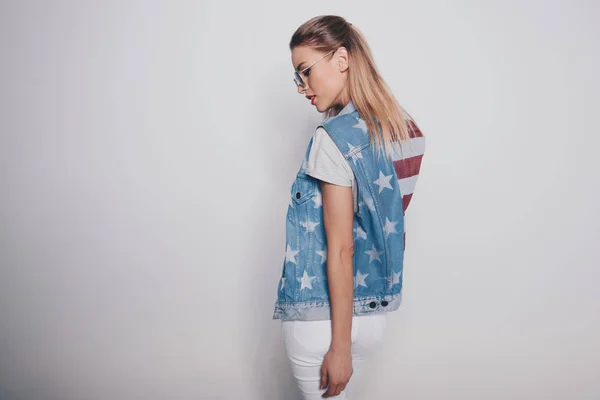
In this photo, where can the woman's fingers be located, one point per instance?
(333, 390)
(323, 378)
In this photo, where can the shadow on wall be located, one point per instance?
(9, 395)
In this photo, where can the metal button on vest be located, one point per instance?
(384, 303)
(298, 195)
(372, 304)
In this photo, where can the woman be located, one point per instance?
(345, 223)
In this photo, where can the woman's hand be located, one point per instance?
(336, 370)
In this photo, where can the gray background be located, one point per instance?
(146, 154)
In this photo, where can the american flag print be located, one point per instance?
(406, 158)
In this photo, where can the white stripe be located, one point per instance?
(407, 185)
(414, 147)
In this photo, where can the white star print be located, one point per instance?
(290, 255)
(373, 254)
(323, 254)
(351, 148)
(360, 279)
(389, 227)
(309, 225)
(360, 233)
(369, 202)
(395, 279)
(383, 182)
(361, 125)
(306, 281)
(354, 156)
(282, 283)
(318, 199)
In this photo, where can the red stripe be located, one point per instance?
(408, 167)
(406, 201)
(413, 130)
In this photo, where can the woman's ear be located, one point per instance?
(342, 59)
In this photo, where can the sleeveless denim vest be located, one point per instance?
(303, 292)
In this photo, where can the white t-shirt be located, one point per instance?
(327, 163)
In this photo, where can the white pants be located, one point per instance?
(307, 342)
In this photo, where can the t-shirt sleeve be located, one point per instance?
(326, 162)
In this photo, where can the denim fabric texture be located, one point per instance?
(302, 292)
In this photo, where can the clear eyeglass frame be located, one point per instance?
(297, 74)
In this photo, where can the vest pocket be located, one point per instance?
(304, 188)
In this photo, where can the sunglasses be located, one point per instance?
(298, 78)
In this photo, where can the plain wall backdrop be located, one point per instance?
(147, 150)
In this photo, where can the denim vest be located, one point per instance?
(302, 292)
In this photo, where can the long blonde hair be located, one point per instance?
(368, 91)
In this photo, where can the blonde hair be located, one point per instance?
(368, 91)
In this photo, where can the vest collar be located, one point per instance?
(348, 108)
